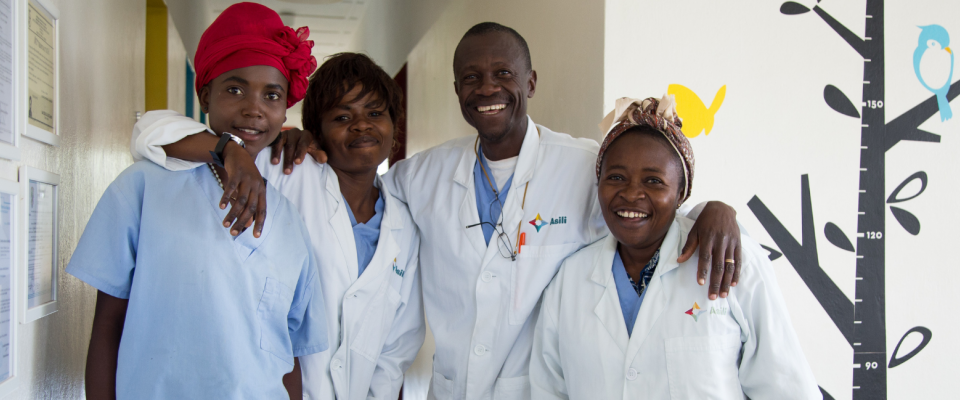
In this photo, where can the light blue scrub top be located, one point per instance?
(209, 316)
(367, 234)
(629, 301)
(486, 197)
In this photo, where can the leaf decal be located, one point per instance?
(839, 102)
(793, 8)
(773, 253)
(922, 176)
(837, 237)
(927, 335)
(907, 220)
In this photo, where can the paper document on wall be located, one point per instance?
(40, 262)
(6, 71)
(40, 69)
(6, 282)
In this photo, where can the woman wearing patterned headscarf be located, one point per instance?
(622, 319)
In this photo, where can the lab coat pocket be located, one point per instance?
(531, 273)
(441, 388)
(512, 388)
(377, 317)
(272, 312)
(704, 367)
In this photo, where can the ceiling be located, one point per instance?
(332, 23)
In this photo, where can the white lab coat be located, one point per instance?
(482, 307)
(740, 345)
(375, 322)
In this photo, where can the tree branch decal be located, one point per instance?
(863, 321)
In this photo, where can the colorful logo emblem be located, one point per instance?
(540, 223)
(695, 312)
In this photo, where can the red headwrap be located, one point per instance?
(248, 34)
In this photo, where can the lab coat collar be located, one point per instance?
(655, 299)
(512, 213)
(384, 258)
(608, 307)
(340, 222)
(526, 161)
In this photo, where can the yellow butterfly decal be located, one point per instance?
(695, 115)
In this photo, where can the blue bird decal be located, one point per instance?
(934, 47)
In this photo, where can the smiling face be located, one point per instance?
(639, 189)
(493, 83)
(357, 134)
(250, 103)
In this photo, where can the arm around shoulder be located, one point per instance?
(156, 130)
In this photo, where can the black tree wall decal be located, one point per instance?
(863, 322)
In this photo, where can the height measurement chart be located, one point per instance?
(6, 71)
(41, 61)
(6, 282)
(40, 248)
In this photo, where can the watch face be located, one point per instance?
(236, 139)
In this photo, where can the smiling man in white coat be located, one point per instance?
(498, 213)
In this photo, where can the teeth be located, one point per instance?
(250, 131)
(631, 214)
(491, 108)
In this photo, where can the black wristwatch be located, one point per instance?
(217, 152)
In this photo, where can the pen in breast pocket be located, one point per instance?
(522, 240)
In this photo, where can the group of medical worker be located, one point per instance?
(469, 234)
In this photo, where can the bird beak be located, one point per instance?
(948, 50)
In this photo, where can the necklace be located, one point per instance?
(215, 175)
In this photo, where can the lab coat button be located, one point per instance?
(336, 364)
(631, 374)
(479, 350)
(486, 276)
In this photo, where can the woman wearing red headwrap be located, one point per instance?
(185, 311)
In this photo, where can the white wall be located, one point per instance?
(191, 18)
(176, 69)
(102, 52)
(774, 126)
(391, 28)
(566, 46)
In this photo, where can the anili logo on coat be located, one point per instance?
(396, 270)
(540, 223)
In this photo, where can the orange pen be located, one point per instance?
(521, 241)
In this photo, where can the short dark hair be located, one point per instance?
(491, 27)
(338, 75)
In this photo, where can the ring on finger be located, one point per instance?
(730, 261)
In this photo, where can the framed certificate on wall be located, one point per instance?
(39, 231)
(41, 72)
(9, 208)
(9, 79)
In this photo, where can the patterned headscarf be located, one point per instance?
(661, 116)
(248, 34)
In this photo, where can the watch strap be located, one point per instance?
(217, 153)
